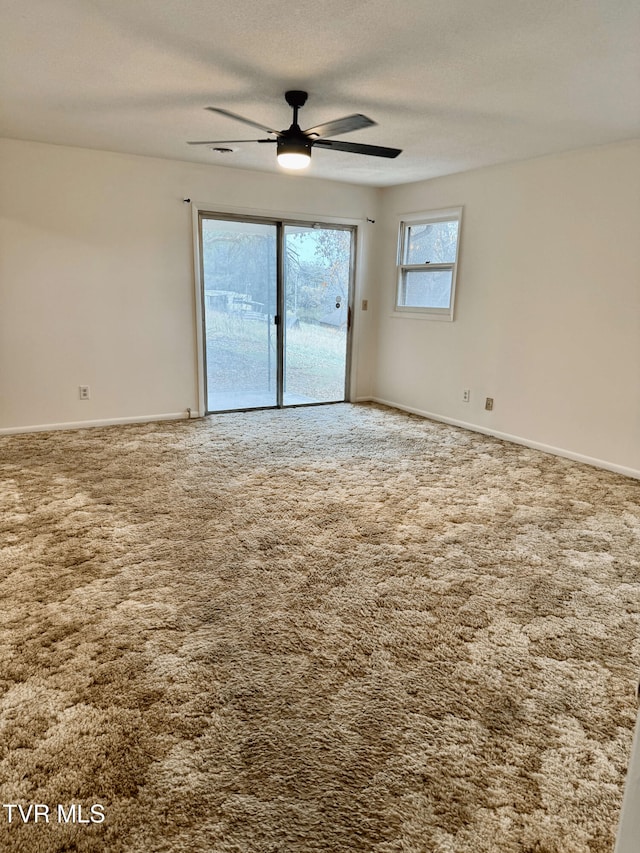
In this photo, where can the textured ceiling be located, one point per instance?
(456, 84)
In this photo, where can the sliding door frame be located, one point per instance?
(280, 308)
(202, 211)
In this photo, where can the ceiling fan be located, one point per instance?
(294, 145)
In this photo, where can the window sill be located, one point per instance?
(409, 314)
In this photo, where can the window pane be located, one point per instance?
(425, 289)
(432, 242)
(239, 264)
(317, 272)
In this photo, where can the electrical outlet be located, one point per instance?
(488, 404)
(466, 395)
(365, 304)
(84, 392)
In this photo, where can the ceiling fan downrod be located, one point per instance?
(296, 99)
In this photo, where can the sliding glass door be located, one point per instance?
(276, 305)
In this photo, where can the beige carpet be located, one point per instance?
(331, 629)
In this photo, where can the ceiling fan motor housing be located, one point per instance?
(292, 142)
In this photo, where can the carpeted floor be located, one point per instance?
(331, 630)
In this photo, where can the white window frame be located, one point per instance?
(412, 219)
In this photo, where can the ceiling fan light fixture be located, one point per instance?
(294, 153)
(291, 160)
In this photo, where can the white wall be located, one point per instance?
(96, 288)
(548, 304)
(96, 277)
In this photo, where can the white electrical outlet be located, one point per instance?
(365, 304)
(488, 404)
(466, 395)
(84, 392)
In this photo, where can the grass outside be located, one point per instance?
(241, 356)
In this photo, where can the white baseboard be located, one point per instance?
(137, 419)
(515, 439)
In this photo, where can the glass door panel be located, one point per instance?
(239, 266)
(317, 277)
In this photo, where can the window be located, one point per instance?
(427, 261)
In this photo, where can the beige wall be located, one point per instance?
(548, 304)
(96, 277)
